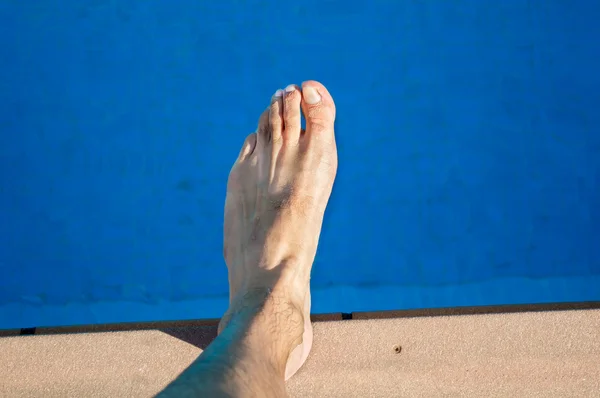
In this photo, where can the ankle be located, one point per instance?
(268, 319)
(282, 282)
(261, 303)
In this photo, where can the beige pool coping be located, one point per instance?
(548, 350)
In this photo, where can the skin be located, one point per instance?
(277, 193)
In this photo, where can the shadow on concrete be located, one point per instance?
(199, 336)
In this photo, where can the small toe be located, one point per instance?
(263, 131)
(292, 117)
(248, 147)
(276, 116)
(318, 108)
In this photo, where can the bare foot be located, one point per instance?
(277, 193)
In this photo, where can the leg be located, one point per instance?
(249, 356)
(277, 193)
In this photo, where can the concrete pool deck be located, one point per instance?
(514, 351)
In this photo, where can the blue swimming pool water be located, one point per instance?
(468, 137)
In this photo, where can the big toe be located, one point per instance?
(318, 108)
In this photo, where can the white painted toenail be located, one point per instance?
(278, 93)
(311, 96)
(291, 88)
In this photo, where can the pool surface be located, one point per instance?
(468, 133)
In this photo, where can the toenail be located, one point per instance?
(278, 93)
(290, 89)
(311, 96)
